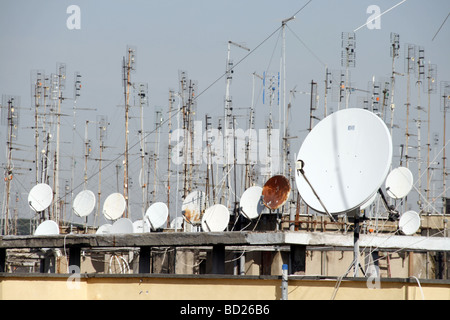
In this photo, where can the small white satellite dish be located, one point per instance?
(122, 225)
(344, 161)
(177, 223)
(141, 226)
(409, 223)
(193, 206)
(114, 206)
(399, 183)
(84, 203)
(157, 215)
(251, 202)
(46, 228)
(215, 218)
(104, 229)
(40, 197)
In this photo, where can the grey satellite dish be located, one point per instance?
(141, 226)
(46, 228)
(343, 161)
(409, 223)
(104, 229)
(122, 225)
(40, 197)
(114, 206)
(193, 206)
(157, 215)
(84, 203)
(399, 183)
(251, 202)
(215, 218)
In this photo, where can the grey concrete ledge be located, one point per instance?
(237, 238)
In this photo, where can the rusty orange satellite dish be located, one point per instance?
(276, 192)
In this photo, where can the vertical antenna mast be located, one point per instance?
(348, 59)
(37, 82)
(445, 104)
(11, 103)
(409, 66)
(129, 64)
(102, 132)
(158, 121)
(420, 73)
(395, 46)
(61, 69)
(228, 125)
(283, 25)
(431, 88)
(327, 87)
(169, 152)
(143, 101)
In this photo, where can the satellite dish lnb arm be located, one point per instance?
(393, 214)
(299, 166)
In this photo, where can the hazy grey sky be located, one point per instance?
(192, 36)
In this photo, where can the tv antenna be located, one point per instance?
(143, 102)
(410, 56)
(420, 75)
(430, 89)
(10, 116)
(228, 118)
(348, 58)
(128, 66)
(445, 104)
(102, 135)
(58, 86)
(395, 48)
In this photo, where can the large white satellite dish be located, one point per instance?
(345, 160)
(104, 229)
(40, 197)
(251, 202)
(122, 225)
(84, 203)
(157, 215)
(193, 206)
(215, 218)
(409, 223)
(114, 206)
(48, 227)
(399, 182)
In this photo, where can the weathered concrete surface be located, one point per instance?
(227, 239)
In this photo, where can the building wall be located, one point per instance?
(23, 287)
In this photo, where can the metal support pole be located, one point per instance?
(75, 257)
(298, 259)
(144, 259)
(2, 260)
(218, 259)
(284, 282)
